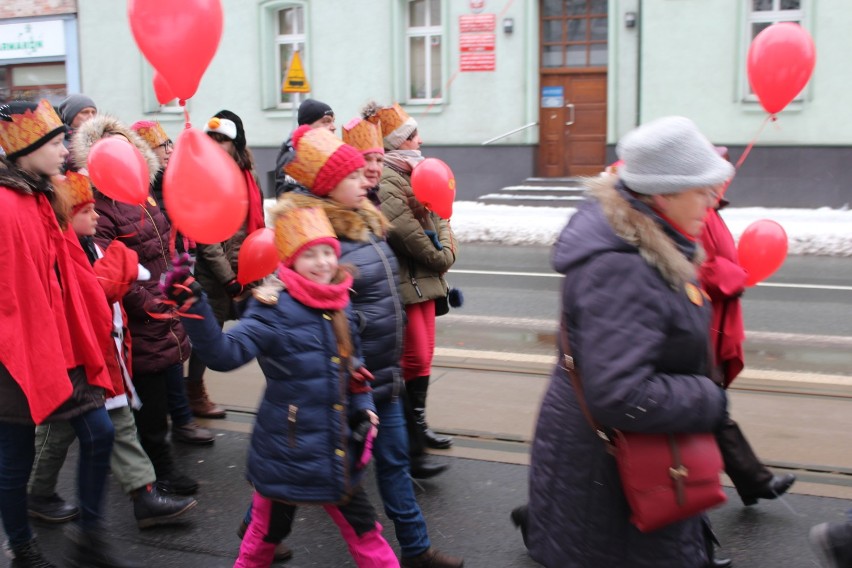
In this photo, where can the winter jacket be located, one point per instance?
(375, 297)
(300, 447)
(159, 340)
(638, 330)
(51, 366)
(421, 265)
(724, 280)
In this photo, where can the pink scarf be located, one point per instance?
(255, 219)
(334, 296)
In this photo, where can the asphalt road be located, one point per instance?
(518, 282)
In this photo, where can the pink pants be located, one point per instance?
(272, 520)
(418, 347)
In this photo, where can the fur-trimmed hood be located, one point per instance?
(97, 128)
(609, 223)
(350, 224)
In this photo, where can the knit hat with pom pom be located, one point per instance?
(322, 160)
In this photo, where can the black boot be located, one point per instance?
(424, 468)
(93, 548)
(151, 508)
(28, 555)
(417, 390)
(711, 542)
(777, 486)
(519, 519)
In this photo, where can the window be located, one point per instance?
(574, 33)
(424, 51)
(761, 15)
(289, 37)
(33, 82)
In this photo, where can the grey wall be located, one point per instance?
(478, 169)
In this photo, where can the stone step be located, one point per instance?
(554, 182)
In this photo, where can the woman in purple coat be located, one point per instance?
(638, 326)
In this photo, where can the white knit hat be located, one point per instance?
(670, 155)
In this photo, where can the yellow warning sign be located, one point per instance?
(295, 80)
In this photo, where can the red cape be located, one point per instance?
(724, 280)
(44, 326)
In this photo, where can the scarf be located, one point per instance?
(255, 219)
(686, 245)
(333, 296)
(403, 161)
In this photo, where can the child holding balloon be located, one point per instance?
(725, 280)
(300, 328)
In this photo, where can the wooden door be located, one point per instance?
(572, 118)
(573, 134)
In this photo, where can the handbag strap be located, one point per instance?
(574, 374)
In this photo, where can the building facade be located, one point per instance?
(502, 90)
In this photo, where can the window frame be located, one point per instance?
(773, 16)
(270, 53)
(408, 33)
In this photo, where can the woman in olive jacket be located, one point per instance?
(426, 249)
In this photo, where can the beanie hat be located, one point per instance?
(364, 136)
(228, 124)
(26, 127)
(299, 228)
(670, 155)
(76, 189)
(72, 105)
(311, 110)
(151, 132)
(322, 160)
(396, 125)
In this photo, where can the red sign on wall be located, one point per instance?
(477, 23)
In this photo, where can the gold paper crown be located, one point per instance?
(75, 188)
(151, 132)
(29, 128)
(313, 150)
(297, 227)
(390, 118)
(363, 135)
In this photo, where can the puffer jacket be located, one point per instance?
(638, 326)
(421, 265)
(375, 297)
(301, 448)
(159, 340)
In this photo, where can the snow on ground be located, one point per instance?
(824, 231)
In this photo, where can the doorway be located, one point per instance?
(573, 79)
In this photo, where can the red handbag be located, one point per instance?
(665, 477)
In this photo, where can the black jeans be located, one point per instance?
(152, 420)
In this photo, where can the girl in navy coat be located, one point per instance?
(302, 448)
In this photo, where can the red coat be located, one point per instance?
(103, 285)
(724, 280)
(44, 326)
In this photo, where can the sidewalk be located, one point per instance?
(492, 414)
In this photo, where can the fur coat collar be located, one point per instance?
(99, 127)
(643, 232)
(350, 224)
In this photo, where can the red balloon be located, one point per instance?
(161, 89)
(762, 249)
(119, 170)
(434, 185)
(178, 37)
(258, 256)
(204, 190)
(780, 62)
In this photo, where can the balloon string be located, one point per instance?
(187, 123)
(446, 88)
(746, 152)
